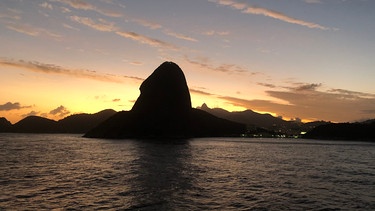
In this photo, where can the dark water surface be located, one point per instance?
(67, 172)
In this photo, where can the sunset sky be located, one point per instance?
(297, 59)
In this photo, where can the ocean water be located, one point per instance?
(67, 172)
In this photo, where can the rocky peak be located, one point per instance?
(165, 90)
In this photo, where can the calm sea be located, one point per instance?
(67, 172)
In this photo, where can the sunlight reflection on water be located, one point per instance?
(70, 172)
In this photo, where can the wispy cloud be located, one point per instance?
(55, 69)
(307, 87)
(249, 9)
(352, 93)
(100, 25)
(179, 36)
(136, 63)
(169, 32)
(134, 78)
(83, 5)
(12, 106)
(308, 102)
(46, 5)
(106, 26)
(148, 24)
(23, 28)
(146, 40)
(213, 32)
(11, 14)
(196, 91)
(206, 64)
(267, 85)
(32, 30)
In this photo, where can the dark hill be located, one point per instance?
(5, 125)
(263, 122)
(35, 124)
(76, 123)
(81, 123)
(248, 117)
(163, 110)
(344, 131)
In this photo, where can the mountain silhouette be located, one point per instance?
(5, 125)
(344, 131)
(163, 110)
(81, 123)
(35, 124)
(263, 123)
(76, 123)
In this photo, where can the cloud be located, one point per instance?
(205, 64)
(249, 9)
(116, 100)
(83, 5)
(146, 40)
(46, 5)
(105, 26)
(307, 102)
(60, 111)
(136, 63)
(179, 36)
(267, 85)
(55, 69)
(148, 24)
(31, 113)
(307, 87)
(352, 93)
(196, 91)
(23, 28)
(100, 25)
(70, 27)
(213, 32)
(154, 26)
(10, 14)
(134, 78)
(31, 30)
(12, 106)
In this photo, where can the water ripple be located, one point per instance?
(67, 172)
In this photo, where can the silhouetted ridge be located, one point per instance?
(263, 123)
(76, 123)
(344, 131)
(163, 110)
(81, 123)
(35, 124)
(5, 125)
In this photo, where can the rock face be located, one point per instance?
(163, 110)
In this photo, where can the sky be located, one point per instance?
(298, 59)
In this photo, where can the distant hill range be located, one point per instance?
(270, 126)
(77, 123)
(364, 131)
(264, 124)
